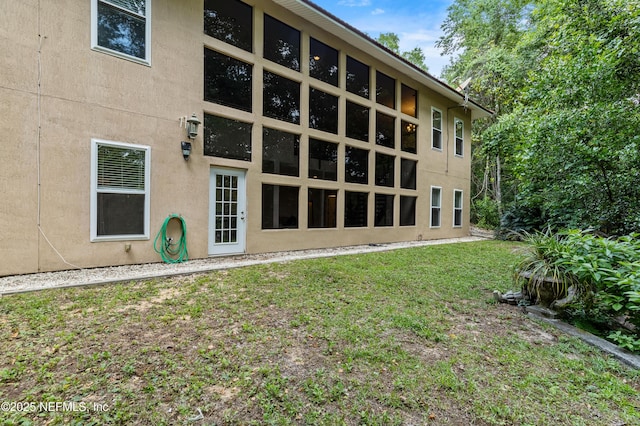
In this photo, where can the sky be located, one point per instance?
(416, 22)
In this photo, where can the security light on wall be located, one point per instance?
(186, 149)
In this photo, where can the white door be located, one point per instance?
(227, 211)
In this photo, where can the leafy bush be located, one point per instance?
(485, 213)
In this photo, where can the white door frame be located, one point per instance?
(227, 211)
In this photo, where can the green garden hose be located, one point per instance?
(170, 251)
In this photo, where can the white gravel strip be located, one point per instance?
(95, 276)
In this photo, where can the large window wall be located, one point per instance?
(339, 139)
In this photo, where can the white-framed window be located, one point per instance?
(458, 126)
(457, 208)
(436, 206)
(122, 28)
(436, 126)
(120, 181)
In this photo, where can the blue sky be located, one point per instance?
(417, 22)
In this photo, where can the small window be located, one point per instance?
(459, 126)
(407, 211)
(408, 173)
(385, 90)
(457, 208)
(323, 62)
(436, 125)
(279, 207)
(123, 28)
(436, 203)
(357, 77)
(227, 138)
(120, 177)
(227, 81)
(385, 130)
(384, 210)
(357, 126)
(322, 208)
(356, 165)
(281, 43)
(409, 104)
(281, 98)
(280, 152)
(230, 21)
(323, 111)
(355, 209)
(384, 169)
(323, 160)
(409, 135)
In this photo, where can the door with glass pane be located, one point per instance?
(227, 212)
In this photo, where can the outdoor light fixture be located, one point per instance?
(192, 126)
(186, 149)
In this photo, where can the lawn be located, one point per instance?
(407, 337)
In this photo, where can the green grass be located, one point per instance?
(403, 337)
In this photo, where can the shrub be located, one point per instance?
(485, 213)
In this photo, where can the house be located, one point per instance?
(312, 135)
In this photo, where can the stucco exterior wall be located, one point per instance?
(57, 94)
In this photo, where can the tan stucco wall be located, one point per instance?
(86, 94)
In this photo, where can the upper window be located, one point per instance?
(323, 62)
(281, 98)
(409, 101)
(385, 130)
(357, 123)
(280, 152)
(436, 125)
(281, 43)
(409, 137)
(227, 81)
(459, 127)
(384, 169)
(123, 28)
(408, 173)
(357, 77)
(356, 165)
(227, 138)
(323, 111)
(323, 160)
(457, 208)
(385, 90)
(230, 21)
(120, 176)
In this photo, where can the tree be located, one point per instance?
(392, 42)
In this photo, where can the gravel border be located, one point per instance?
(14, 284)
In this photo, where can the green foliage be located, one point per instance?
(392, 42)
(485, 213)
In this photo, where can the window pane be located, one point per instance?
(227, 138)
(323, 111)
(227, 81)
(279, 207)
(407, 211)
(323, 62)
(322, 208)
(408, 173)
(357, 122)
(280, 152)
(409, 101)
(384, 169)
(356, 165)
(323, 160)
(120, 214)
(385, 90)
(384, 210)
(281, 98)
(435, 207)
(409, 132)
(281, 43)
(230, 21)
(385, 130)
(121, 168)
(355, 209)
(357, 77)
(121, 31)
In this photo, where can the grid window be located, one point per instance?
(227, 138)
(384, 170)
(280, 152)
(323, 111)
(436, 204)
(407, 211)
(459, 128)
(384, 210)
(356, 165)
(409, 137)
(408, 173)
(323, 62)
(409, 98)
(322, 207)
(457, 208)
(357, 126)
(357, 77)
(385, 90)
(281, 98)
(436, 126)
(355, 209)
(385, 130)
(227, 81)
(279, 207)
(323, 160)
(281, 43)
(230, 21)
(123, 28)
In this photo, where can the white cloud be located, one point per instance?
(355, 3)
(377, 11)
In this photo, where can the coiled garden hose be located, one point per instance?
(170, 251)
